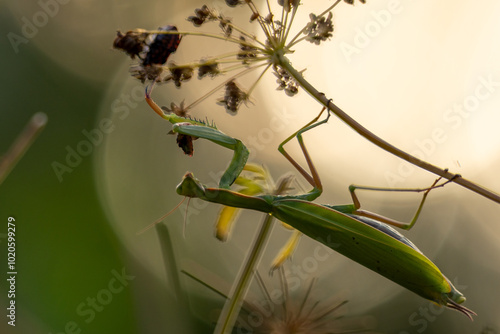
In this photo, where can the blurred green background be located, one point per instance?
(75, 234)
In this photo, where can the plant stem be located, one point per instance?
(231, 308)
(21, 144)
(322, 99)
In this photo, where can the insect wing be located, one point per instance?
(366, 245)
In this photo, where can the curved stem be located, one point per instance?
(352, 123)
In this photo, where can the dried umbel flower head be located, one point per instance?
(153, 48)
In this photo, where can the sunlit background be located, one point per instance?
(423, 75)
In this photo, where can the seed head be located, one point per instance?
(285, 81)
(132, 42)
(208, 67)
(180, 110)
(233, 97)
(202, 15)
(319, 29)
(246, 51)
(143, 73)
(179, 74)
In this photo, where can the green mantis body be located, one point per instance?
(357, 234)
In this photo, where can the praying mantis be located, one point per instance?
(362, 236)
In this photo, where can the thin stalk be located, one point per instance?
(261, 22)
(232, 307)
(184, 319)
(289, 25)
(322, 99)
(243, 32)
(21, 144)
(237, 75)
(204, 34)
(250, 90)
(271, 13)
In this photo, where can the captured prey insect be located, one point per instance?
(362, 236)
(157, 47)
(162, 46)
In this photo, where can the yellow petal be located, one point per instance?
(287, 250)
(227, 216)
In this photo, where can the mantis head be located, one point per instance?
(190, 187)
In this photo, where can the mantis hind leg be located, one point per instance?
(390, 221)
